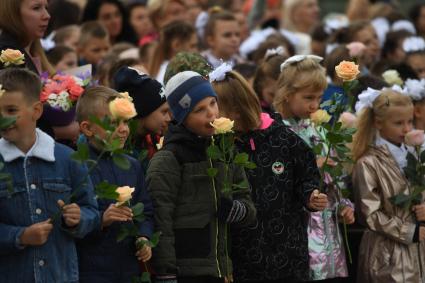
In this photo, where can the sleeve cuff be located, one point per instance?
(18, 235)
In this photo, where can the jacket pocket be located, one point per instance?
(192, 237)
(54, 192)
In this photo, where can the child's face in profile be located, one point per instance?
(397, 123)
(269, 90)
(304, 103)
(94, 50)
(198, 121)
(69, 61)
(417, 63)
(13, 104)
(121, 132)
(156, 122)
(226, 39)
(419, 111)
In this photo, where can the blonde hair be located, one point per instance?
(288, 9)
(157, 8)
(92, 29)
(11, 22)
(366, 131)
(93, 101)
(235, 95)
(306, 74)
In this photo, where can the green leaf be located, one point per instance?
(121, 161)
(105, 123)
(143, 155)
(242, 185)
(122, 234)
(401, 200)
(82, 153)
(113, 145)
(214, 152)
(6, 122)
(146, 277)
(138, 212)
(241, 158)
(318, 148)
(250, 165)
(212, 172)
(104, 190)
(155, 239)
(334, 138)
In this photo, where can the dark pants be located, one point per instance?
(200, 279)
(286, 280)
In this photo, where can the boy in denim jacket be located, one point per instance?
(35, 245)
(101, 257)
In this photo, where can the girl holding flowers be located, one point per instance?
(392, 247)
(101, 257)
(274, 248)
(300, 88)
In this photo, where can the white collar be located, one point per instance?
(43, 148)
(399, 153)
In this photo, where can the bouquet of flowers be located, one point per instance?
(60, 94)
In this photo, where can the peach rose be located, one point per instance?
(12, 57)
(414, 138)
(122, 108)
(222, 125)
(124, 194)
(348, 120)
(320, 117)
(126, 96)
(356, 49)
(347, 70)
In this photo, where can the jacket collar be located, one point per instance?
(43, 148)
(399, 153)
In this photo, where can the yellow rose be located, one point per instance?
(392, 77)
(124, 194)
(126, 96)
(222, 125)
(347, 70)
(12, 57)
(320, 117)
(122, 108)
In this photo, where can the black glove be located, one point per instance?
(231, 211)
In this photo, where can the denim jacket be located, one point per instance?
(40, 178)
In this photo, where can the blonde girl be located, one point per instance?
(300, 89)
(282, 187)
(392, 248)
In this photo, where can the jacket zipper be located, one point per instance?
(216, 225)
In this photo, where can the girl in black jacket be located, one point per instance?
(274, 249)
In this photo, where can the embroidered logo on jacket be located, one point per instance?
(278, 168)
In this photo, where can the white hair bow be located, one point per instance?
(220, 72)
(415, 89)
(275, 51)
(366, 99)
(48, 42)
(413, 44)
(299, 58)
(403, 25)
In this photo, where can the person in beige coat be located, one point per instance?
(392, 247)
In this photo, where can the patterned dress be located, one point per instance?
(325, 243)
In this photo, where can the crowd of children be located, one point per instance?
(144, 83)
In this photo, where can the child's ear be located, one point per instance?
(377, 124)
(176, 45)
(85, 129)
(37, 108)
(417, 111)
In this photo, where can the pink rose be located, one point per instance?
(414, 138)
(356, 49)
(122, 108)
(348, 120)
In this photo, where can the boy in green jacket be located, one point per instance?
(190, 209)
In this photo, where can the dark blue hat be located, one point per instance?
(184, 91)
